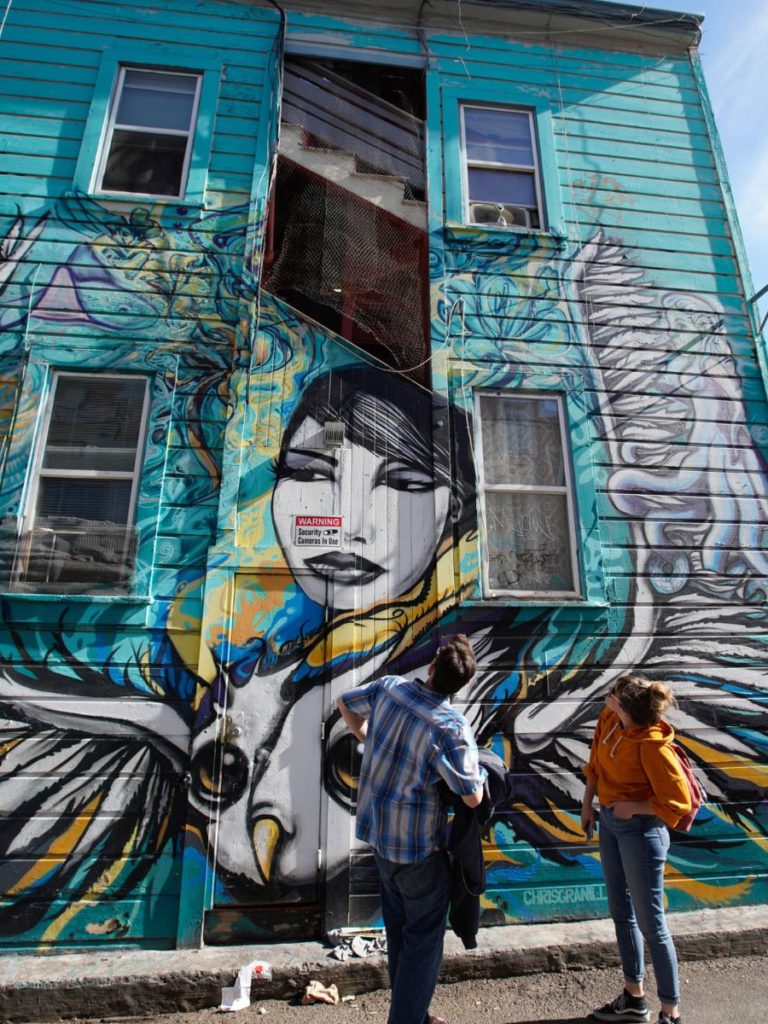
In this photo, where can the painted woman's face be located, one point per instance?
(392, 515)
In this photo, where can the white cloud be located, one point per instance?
(751, 192)
(733, 50)
(750, 188)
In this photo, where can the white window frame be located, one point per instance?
(567, 489)
(534, 168)
(106, 143)
(38, 472)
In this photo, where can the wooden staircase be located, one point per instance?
(341, 132)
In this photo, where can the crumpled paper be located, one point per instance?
(316, 992)
(238, 996)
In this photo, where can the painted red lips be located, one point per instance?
(344, 567)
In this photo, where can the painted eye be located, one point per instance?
(341, 770)
(402, 477)
(311, 474)
(219, 775)
(306, 467)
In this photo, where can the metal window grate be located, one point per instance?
(333, 434)
(63, 554)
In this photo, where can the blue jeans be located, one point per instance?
(414, 904)
(633, 853)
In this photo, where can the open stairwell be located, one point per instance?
(347, 135)
(340, 168)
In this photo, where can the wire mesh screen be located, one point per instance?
(351, 265)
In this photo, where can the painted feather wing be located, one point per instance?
(687, 477)
(87, 805)
(688, 474)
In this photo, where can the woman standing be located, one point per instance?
(641, 790)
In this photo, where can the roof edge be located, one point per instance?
(603, 10)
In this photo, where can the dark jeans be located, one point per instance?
(632, 854)
(414, 904)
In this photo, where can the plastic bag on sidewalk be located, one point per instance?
(238, 996)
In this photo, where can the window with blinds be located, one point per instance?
(78, 531)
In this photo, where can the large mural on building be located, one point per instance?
(96, 705)
(192, 742)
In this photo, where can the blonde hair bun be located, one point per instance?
(644, 700)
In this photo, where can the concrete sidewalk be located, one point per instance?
(104, 983)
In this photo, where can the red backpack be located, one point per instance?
(695, 788)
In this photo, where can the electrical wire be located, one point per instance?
(5, 17)
(377, 363)
(459, 302)
(597, 26)
(421, 35)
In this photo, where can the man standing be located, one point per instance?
(413, 739)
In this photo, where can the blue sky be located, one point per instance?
(733, 51)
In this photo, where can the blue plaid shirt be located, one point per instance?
(415, 738)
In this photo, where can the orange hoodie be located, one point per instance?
(638, 764)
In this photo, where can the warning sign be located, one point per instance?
(317, 531)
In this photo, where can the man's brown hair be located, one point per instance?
(454, 665)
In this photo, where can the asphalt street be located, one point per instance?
(717, 991)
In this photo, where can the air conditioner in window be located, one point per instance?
(500, 215)
(66, 554)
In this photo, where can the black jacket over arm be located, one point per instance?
(464, 844)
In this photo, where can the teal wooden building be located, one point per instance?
(327, 330)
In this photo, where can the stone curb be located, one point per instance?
(139, 983)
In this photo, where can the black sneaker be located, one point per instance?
(664, 1018)
(624, 1007)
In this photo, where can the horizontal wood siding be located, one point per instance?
(639, 311)
(667, 376)
(635, 312)
(121, 286)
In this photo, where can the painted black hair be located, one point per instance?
(379, 410)
(389, 414)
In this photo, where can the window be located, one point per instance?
(78, 530)
(529, 540)
(149, 135)
(149, 131)
(502, 182)
(500, 162)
